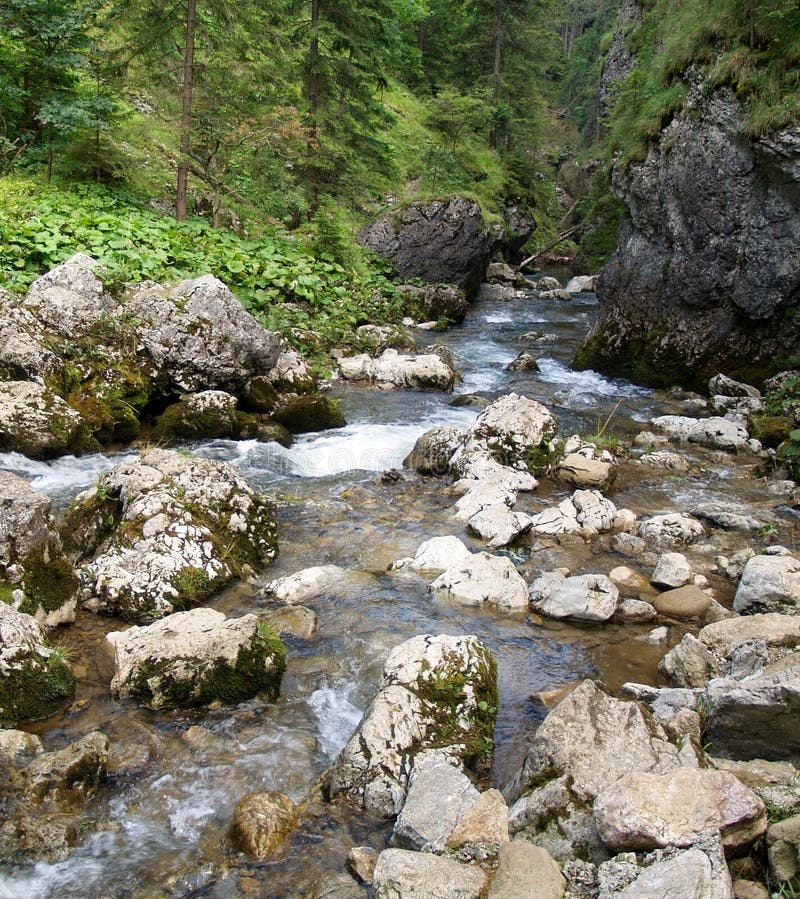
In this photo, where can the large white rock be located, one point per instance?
(36, 422)
(305, 584)
(425, 371)
(585, 597)
(483, 579)
(696, 873)
(672, 570)
(581, 284)
(714, 432)
(671, 529)
(585, 511)
(769, 584)
(195, 658)
(401, 874)
(434, 449)
(525, 871)
(498, 525)
(435, 554)
(644, 811)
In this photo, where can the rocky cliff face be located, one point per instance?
(706, 275)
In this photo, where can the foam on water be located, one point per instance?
(580, 387)
(498, 318)
(337, 717)
(64, 476)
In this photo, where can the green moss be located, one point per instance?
(770, 429)
(36, 691)
(48, 582)
(180, 422)
(302, 414)
(7, 592)
(194, 586)
(259, 394)
(88, 522)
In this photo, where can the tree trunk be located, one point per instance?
(186, 111)
(498, 49)
(313, 73)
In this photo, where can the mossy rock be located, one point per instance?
(302, 414)
(49, 581)
(36, 691)
(271, 431)
(771, 430)
(88, 522)
(260, 395)
(182, 422)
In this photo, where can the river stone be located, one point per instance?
(783, 848)
(165, 531)
(434, 449)
(439, 794)
(667, 460)
(672, 570)
(585, 744)
(261, 821)
(195, 658)
(585, 597)
(581, 284)
(483, 827)
(690, 664)
(400, 874)
(435, 554)
(18, 746)
(22, 355)
(720, 433)
(483, 495)
(425, 371)
(644, 811)
(290, 372)
(25, 519)
(695, 873)
(70, 299)
(435, 692)
(305, 584)
(676, 427)
(683, 602)
(441, 241)
(483, 579)
(635, 611)
(525, 871)
(671, 529)
(36, 422)
(198, 336)
(196, 416)
(628, 581)
(769, 584)
(69, 774)
(35, 681)
(361, 861)
(728, 516)
(498, 525)
(581, 472)
(585, 511)
(758, 717)
(432, 302)
(722, 385)
(293, 621)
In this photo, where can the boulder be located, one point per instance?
(581, 284)
(525, 871)
(722, 385)
(435, 692)
(769, 584)
(36, 422)
(585, 597)
(503, 273)
(290, 373)
(672, 570)
(419, 875)
(23, 354)
(585, 744)
(690, 664)
(70, 299)
(374, 339)
(434, 449)
(524, 362)
(482, 828)
(439, 795)
(435, 554)
(163, 532)
(195, 658)
(498, 525)
(483, 579)
(585, 473)
(783, 848)
(35, 680)
(261, 821)
(425, 371)
(304, 414)
(305, 584)
(672, 529)
(720, 433)
(198, 416)
(18, 746)
(683, 602)
(434, 302)
(443, 241)
(198, 336)
(728, 516)
(69, 774)
(586, 511)
(644, 811)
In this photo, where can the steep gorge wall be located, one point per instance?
(706, 275)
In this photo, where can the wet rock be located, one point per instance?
(305, 584)
(208, 414)
(503, 273)
(524, 362)
(498, 525)
(635, 611)
(714, 432)
(483, 828)
(483, 494)
(435, 554)
(293, 621)
(70, 299)
(644, 811)
(586, 744)
(628, 581)
(559, 294)
(434, 449)
(483, 579)
(672, 529)
(690, 664)
(17, 746)
(443, 241)
(439, 794)
(585, 597)
(672, 570)
(525, 871)
(420, 372)
(70, 774)
(361, 861)
(722, 385)
(585, 511)
(35, 681)
(728, 516)
(419, 875)
(165, 531)
(435, 692)
(36, 422)
(304, 414)
(195, 658)
(198, 336)
(666, 460)
(261, 821)
(683, 602)
(585, 473)
(493, 293)
(547, 282)
(769, 584)
(783, 848)
(581, 284)
(433, 302)
(733, 567)
(290, 373)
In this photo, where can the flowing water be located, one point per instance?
(162, 820)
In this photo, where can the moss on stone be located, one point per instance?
(39, 689)
(302, 414)
(7, 592)
(48, 582)
(179, 422)
(88, 522)
(194, 586)
(771, 430)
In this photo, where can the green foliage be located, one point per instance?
(789, 452)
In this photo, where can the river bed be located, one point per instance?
(162, 820)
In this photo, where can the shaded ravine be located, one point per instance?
(164, 816)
